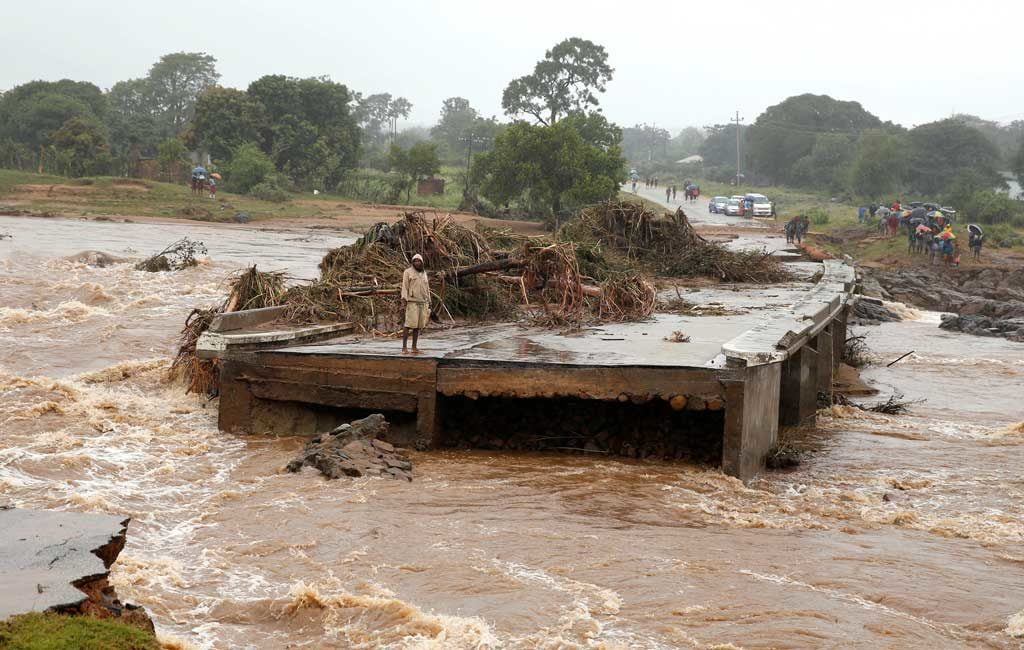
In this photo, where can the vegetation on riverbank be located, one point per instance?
(48, 631)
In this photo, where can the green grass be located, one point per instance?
(134, 197)
(106, 195)
(55, 632)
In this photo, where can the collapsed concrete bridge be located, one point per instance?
(743, 373)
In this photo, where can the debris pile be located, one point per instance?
(355, 449)
(667, 245)
(178, 256)
(484, 275)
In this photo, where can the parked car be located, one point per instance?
(717, 204)
(734, 207)
(758, 205)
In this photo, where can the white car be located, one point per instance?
(761, 206)
(734, 207)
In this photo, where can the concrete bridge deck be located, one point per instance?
(762, 362)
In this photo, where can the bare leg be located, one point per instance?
(405, 339)
(415, 339)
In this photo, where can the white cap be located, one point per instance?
(417, 256)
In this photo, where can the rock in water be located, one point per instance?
(355, 449)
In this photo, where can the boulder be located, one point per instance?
(355, 449)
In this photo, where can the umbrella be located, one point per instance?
(976, 229)
(199, 170)
(215, 175)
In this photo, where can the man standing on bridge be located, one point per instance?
(415, 301)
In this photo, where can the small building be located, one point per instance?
(430, 186)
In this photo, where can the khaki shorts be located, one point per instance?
(416, 315)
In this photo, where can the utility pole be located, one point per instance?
(470, 139)
(737, 122)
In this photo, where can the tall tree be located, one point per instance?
(177, 80)
(81, 147)
(133, 118)
(32, 112)
(552, 166)
(567, 79)
(457, 117)
(418, 161)
(308, 127)
(786, 132)
(227, 118)
(378, 114)
(944, 150)
(719, 148)
(881, 164)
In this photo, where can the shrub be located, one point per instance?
(370, 186)
(248, 167)
(268, 191)
(818, 217)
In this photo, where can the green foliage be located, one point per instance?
(786, 132)
(371, 186)
(645, 142)
(132, 119)
(171, 154)
(567, 80)
(378, 115)
(460, 122)
(568, 164)
(176, 81)
(719, 148)
(417, 162)
(307, 127)
(248, 167)
(81, 148)
(881, 164)
(49, 631)
(941, 151)
(989, 206)
(226, 118)
(828, 163)
(1017, 164)
(268, 191)
(32, 112)
(818, 217)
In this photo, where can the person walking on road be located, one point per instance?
(668, 194)
(415, 302)
(673, 192)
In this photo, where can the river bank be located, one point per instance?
(908, 528)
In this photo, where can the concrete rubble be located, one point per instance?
(355, 449)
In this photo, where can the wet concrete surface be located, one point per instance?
(42, 552)
(646, 343)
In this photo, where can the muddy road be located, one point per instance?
(898, 531)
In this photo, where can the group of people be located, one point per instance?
(203, 182)
(796, 229)
(928, 232)
(690, 192)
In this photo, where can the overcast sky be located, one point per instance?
(677, 63)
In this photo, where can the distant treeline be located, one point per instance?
(557, 151)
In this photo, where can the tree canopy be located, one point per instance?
(566, 80)
(941, 151)
(567, 164)
(788, 131)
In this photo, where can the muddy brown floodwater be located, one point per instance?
(897, 532)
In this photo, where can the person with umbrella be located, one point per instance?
(974, 240)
